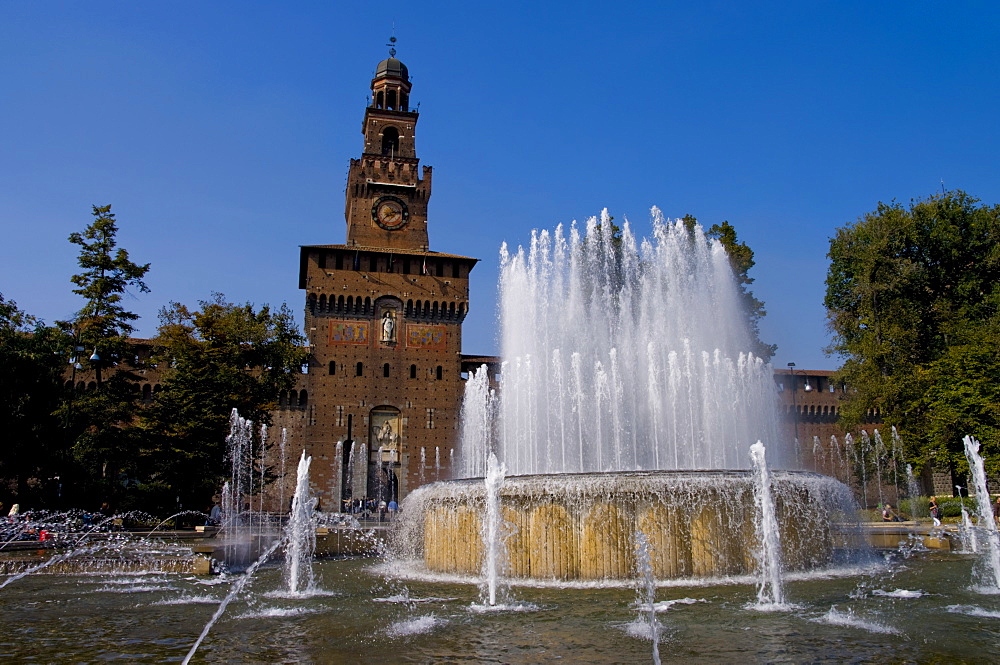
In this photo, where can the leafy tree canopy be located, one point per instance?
(913, 300)
(31, 363)
(217, 358)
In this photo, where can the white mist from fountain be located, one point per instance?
(620, 355)
(281, 477)
(989, 564)
(967, 530)
(864, 450)
(492, 528)
(770, 589)
(300, 534)
(879, 454)
(913, 491)
(258, 512)
(237, 522)
(349, 476)
(896, 458)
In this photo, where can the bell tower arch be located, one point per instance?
(387, 191)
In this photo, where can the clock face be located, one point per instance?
(390, 213)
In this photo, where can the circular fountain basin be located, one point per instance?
(583, 526)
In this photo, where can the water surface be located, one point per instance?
(919, 609)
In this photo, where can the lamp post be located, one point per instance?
(96, 360)
(795, 409)
(74, 362)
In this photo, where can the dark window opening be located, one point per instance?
(390, 141)
(385, 369)
(439, 372)
(360, 370)
(413, 371)
(333, 367)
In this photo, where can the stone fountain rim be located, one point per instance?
(651, 473)
(624, 480)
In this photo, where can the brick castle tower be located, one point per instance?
(379, 408)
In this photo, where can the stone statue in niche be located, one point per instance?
(388, 326)
(386, 437)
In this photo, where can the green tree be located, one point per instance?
(31, 363)
(101, 421)
(741, 259)
(103, 323)
(913, 300)
(219, 358)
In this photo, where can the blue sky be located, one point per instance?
(221, 132)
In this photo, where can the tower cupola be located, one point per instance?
(391, 85)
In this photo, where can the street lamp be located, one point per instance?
(74, 362)
(96, 359)
(795, 409)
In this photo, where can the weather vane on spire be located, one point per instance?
(392, 42)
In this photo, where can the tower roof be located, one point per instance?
(392, 67)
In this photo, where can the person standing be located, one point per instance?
(935, 511)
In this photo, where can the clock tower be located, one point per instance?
(387, 192)
(378, 409)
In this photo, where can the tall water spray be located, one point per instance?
(300, 533)
(990, 564)
(770, 591)
(647, 597)
(492, 536)
(967, 531)
(621, 354)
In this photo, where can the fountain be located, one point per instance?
(770, 591)
(300, 533)
(647, 596)
(630, 509)
(628, 403)
(492, 533)
(989, 565)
